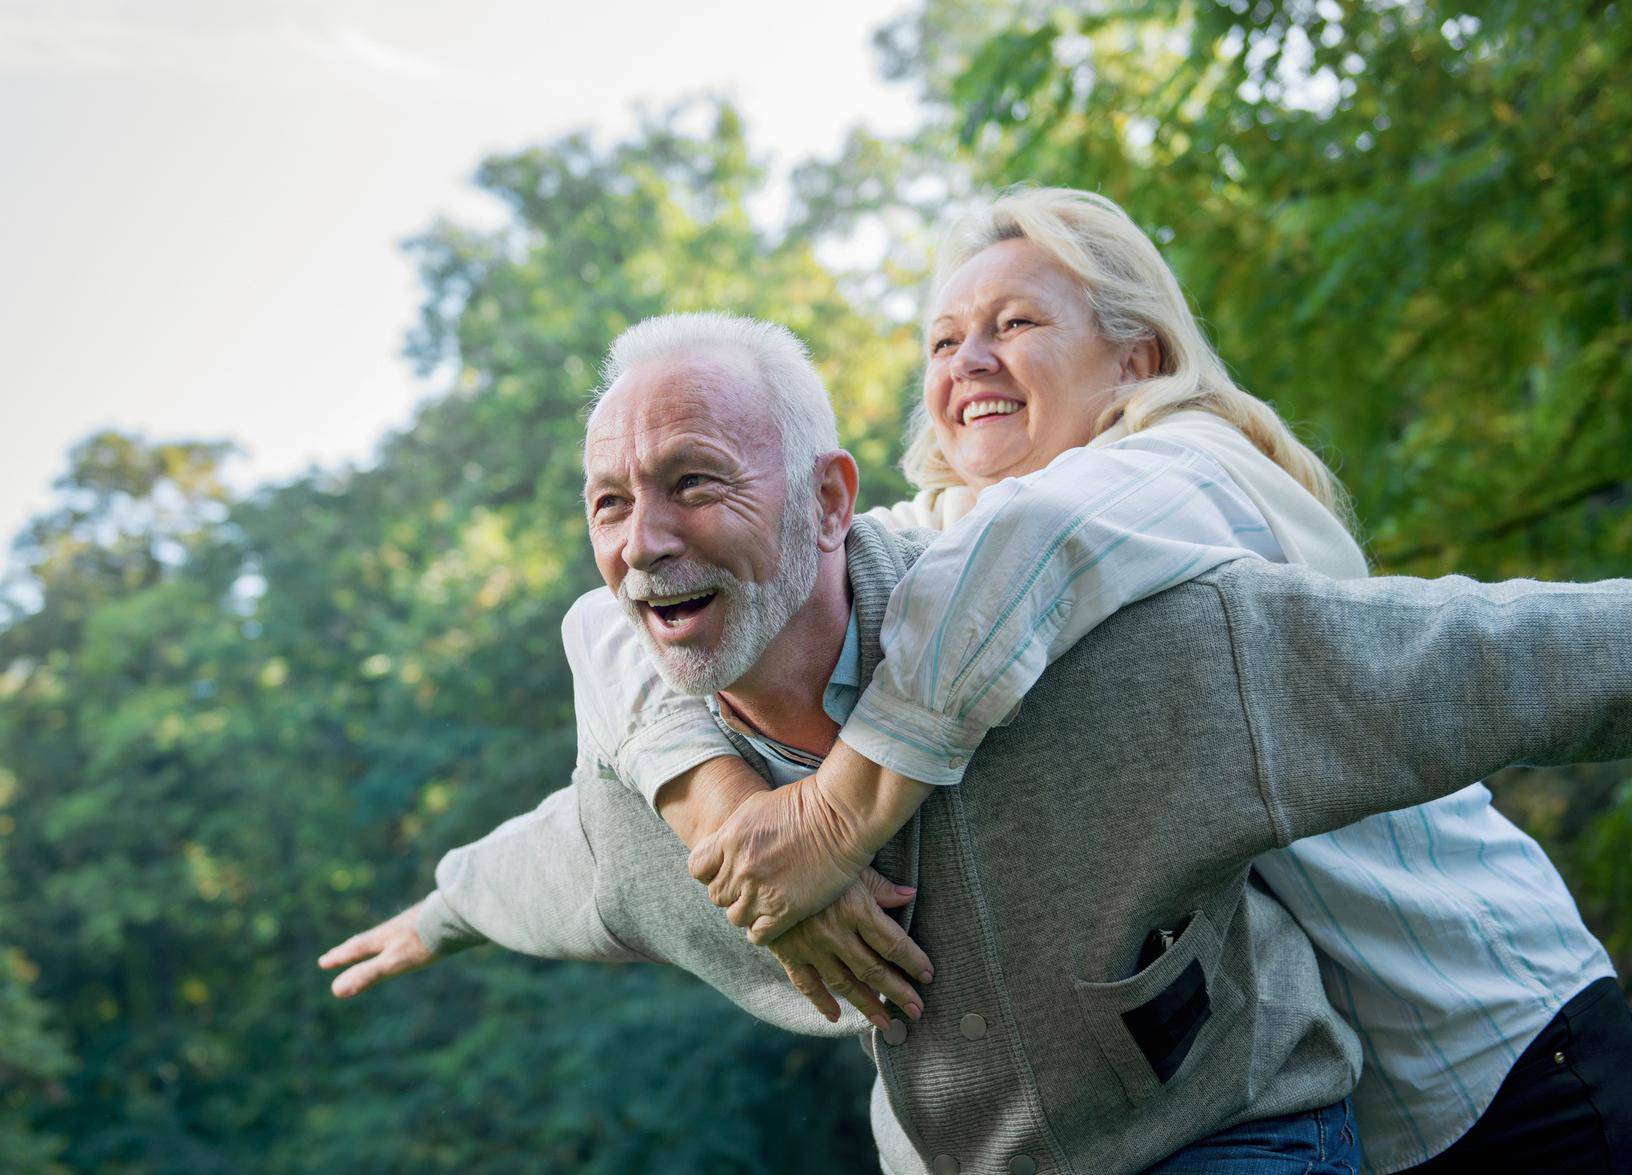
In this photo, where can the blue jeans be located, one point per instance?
(1315, 1142)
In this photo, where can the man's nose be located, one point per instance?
(974, 357)
(651, 535)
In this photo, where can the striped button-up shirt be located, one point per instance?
(1445, 935)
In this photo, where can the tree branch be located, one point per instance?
(1515, 524)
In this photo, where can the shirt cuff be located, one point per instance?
(441, 930)
(668, 746)
(910, 740)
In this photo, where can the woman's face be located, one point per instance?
(1016, 371)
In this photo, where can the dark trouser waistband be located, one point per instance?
(1566, 1105)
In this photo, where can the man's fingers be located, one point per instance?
(361, 977)
(358, 946)
(885, 936)
(391, 947)
(706, 859)
(810, 985)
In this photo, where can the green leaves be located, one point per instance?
(234, 731)
(1407, 226)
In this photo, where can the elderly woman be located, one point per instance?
(1084, 447)
(1059, 350)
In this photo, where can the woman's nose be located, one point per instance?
(974, 357)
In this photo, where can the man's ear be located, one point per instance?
(1141, 360)
(836, 482)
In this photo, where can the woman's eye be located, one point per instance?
(1012, 323)
(940, 345)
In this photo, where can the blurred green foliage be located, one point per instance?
(233, 731)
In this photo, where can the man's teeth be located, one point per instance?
(989, 408)
(665, 607)
(671, 601)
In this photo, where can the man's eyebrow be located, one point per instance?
(701, 454)
(595, 482)
(692, 452)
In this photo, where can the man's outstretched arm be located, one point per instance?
(1366, 696)
(528, 885)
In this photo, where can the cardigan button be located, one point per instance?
(1022, 1165)
(945, 1165)
(896, 1033)
(973, 1026)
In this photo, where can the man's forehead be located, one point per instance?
(703, 401)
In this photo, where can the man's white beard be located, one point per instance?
(754, 612)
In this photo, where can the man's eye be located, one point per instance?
(940, 345)
(606, 502)
(690, 481)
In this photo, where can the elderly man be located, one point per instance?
(1149, 766)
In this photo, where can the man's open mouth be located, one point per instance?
(674, 611)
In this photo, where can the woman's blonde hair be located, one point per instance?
(1133, 296)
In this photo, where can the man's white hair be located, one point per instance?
(799, 403)
(806, 428)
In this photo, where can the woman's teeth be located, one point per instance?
(989, 408)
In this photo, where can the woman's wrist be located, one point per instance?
(868, 801)
(698, 802)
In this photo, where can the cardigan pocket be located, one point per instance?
(1157, 1027)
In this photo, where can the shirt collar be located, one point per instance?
(839, 698)
(844, 684)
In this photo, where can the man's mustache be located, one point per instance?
(677, 580)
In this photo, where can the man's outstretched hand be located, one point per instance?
(857, 950)
(780, 857)
(391, 948)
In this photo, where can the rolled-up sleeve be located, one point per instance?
(1038, 563)
(636, 726)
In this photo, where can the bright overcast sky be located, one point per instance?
(202, 202)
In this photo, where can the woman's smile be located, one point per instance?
(1017, 371)
(987, 409)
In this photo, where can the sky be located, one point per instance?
(202, 204)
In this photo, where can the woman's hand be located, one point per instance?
(787, 853)
(783, 855)
(854, 948)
